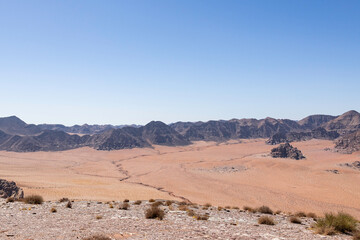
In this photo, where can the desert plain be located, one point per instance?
(233, 173)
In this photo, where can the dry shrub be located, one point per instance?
(97, 237)
(190, 212)
(235, 207)
(64, 199)
(34, 199)
(69, 205)
(331, 223)
(266, 220)
(156, 204)
(205, 208)
(138, 202)
(183, 208)
(356, 236)
(111, 206)
(182, 203)
(295, 220)
(220, 208)
(249, 209)
(207, 205)
(98, 217)
(53, 210)
(311, 215)
(264, 209)
(203, 217)
(168, 203)
(300, 214)
(278, 212)
(10, 199)
(126, 200)
(154, 213)
(227, 207)
(124, 206)
(151, 200)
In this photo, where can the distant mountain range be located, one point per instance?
(16, 135)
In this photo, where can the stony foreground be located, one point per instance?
(25, 221)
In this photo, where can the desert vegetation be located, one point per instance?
(124, 206)
(34, 199)
(97, 237)
(266, 220)
(154, 212)
(264, 209)
(336, 223)
(294, 219)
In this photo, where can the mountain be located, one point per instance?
(318, 133)
(82, 129)
(349, 143)
(46, 141)
(239, 128)
(16, 135)
(116, 139)
(315, 121)
(159, 133)
(349, 121)
(13, 125)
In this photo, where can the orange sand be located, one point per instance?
(191, 173)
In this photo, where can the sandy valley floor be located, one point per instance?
(232, 173)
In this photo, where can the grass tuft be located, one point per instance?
(264, 209)
(97, 237)
(266, 220)
(124, 206)
(34, 199)
(154, 213)
(331, 223)
(295, 220)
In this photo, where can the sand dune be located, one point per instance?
(232, 173)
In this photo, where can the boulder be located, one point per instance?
(286, 151)
(9, 189)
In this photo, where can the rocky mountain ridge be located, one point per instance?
(16, 135)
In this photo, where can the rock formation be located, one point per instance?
(286, 151)
(348, 143)
(9, 189)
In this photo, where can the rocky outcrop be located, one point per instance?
(287, 151)
(355, 165)
(9, 189)
(348, 143)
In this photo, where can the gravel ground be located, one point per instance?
(25, 221)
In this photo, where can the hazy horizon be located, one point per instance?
(131, 62)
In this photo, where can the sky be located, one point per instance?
(131, 62)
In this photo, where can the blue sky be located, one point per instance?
(120, 62)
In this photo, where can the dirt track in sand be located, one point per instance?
(232, 173)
